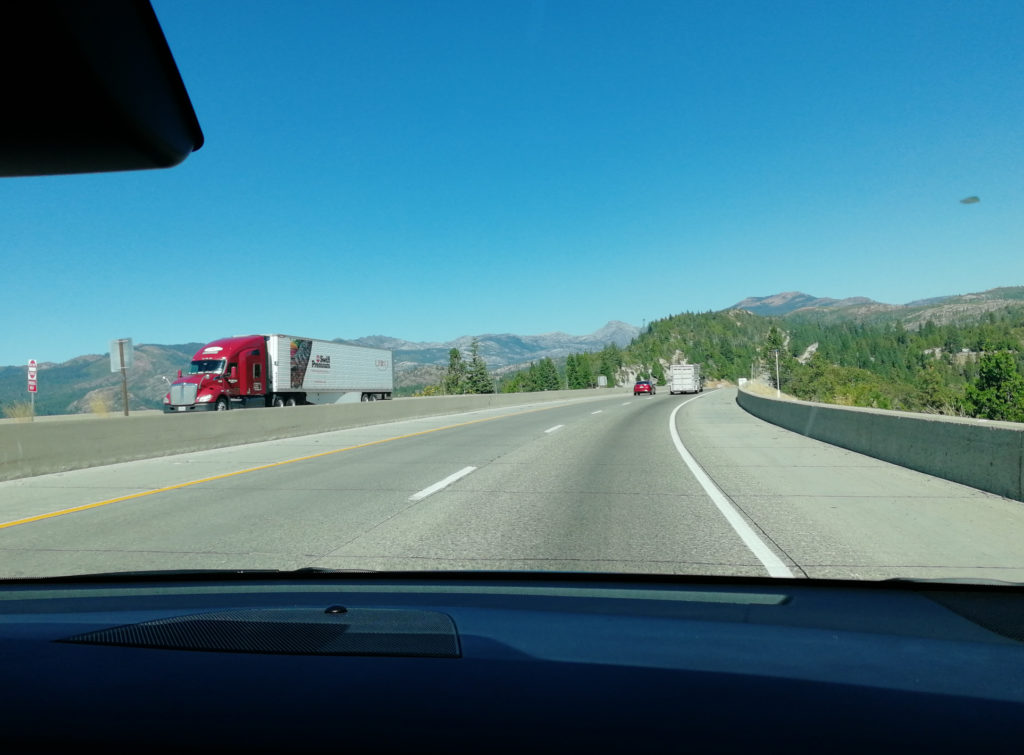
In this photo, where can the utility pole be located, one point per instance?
(124, 376)
(778, 384)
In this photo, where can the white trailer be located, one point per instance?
(327, 372)
(685, 378)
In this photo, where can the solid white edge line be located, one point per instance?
(598, 411)
(552, 429)
(442, 484)
(757, 546)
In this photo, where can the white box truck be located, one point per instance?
(280, 370)
(685, 378)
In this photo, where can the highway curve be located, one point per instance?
(596, 484)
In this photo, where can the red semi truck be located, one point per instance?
(280, 370)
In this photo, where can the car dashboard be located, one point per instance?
(507, 661)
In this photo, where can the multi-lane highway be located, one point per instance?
(676, 484)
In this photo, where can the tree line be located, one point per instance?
(973, 368)
(962, 368)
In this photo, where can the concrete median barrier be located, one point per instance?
(57, 445)
(982, 454)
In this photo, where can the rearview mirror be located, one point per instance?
(90, 87)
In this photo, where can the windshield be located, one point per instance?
(447, 240)
(206, 365)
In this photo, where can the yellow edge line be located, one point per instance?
(88, 506)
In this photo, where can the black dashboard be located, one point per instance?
(503, 662)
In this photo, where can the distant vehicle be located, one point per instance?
(685, 378)
(279, 370)
(643, 386)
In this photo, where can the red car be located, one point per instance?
(643, 386)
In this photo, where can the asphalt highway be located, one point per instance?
(613, 483)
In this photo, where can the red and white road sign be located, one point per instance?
(32, 386)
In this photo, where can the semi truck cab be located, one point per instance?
(224, 372)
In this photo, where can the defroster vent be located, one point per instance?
(293, 631)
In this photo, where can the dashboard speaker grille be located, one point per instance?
(359, 631)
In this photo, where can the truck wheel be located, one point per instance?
(222, 404)
(290, 401)
(278, 401)
(369, 397)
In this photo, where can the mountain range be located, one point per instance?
(419, 363)
(778, 305)
(502, 349)
(940, 309)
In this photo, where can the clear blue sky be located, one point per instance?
(427, 170)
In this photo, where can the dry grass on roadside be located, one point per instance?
(20, 411)
(761, 389)
(100, 404)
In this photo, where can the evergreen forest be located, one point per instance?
(969, 368)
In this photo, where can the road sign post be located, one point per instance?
(121, 358)
(33, 386)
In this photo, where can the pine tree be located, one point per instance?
(998, 393)
(514, 384)
(454, 381)
(609, 362)
(478, 380)
(933, 391)
(658, 373)
(547, 376)
(571, 372)
(584, 372)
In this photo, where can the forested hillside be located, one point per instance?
(933, 368)
(970, 367)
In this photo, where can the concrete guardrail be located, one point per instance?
(982, 454)
(58, 445)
